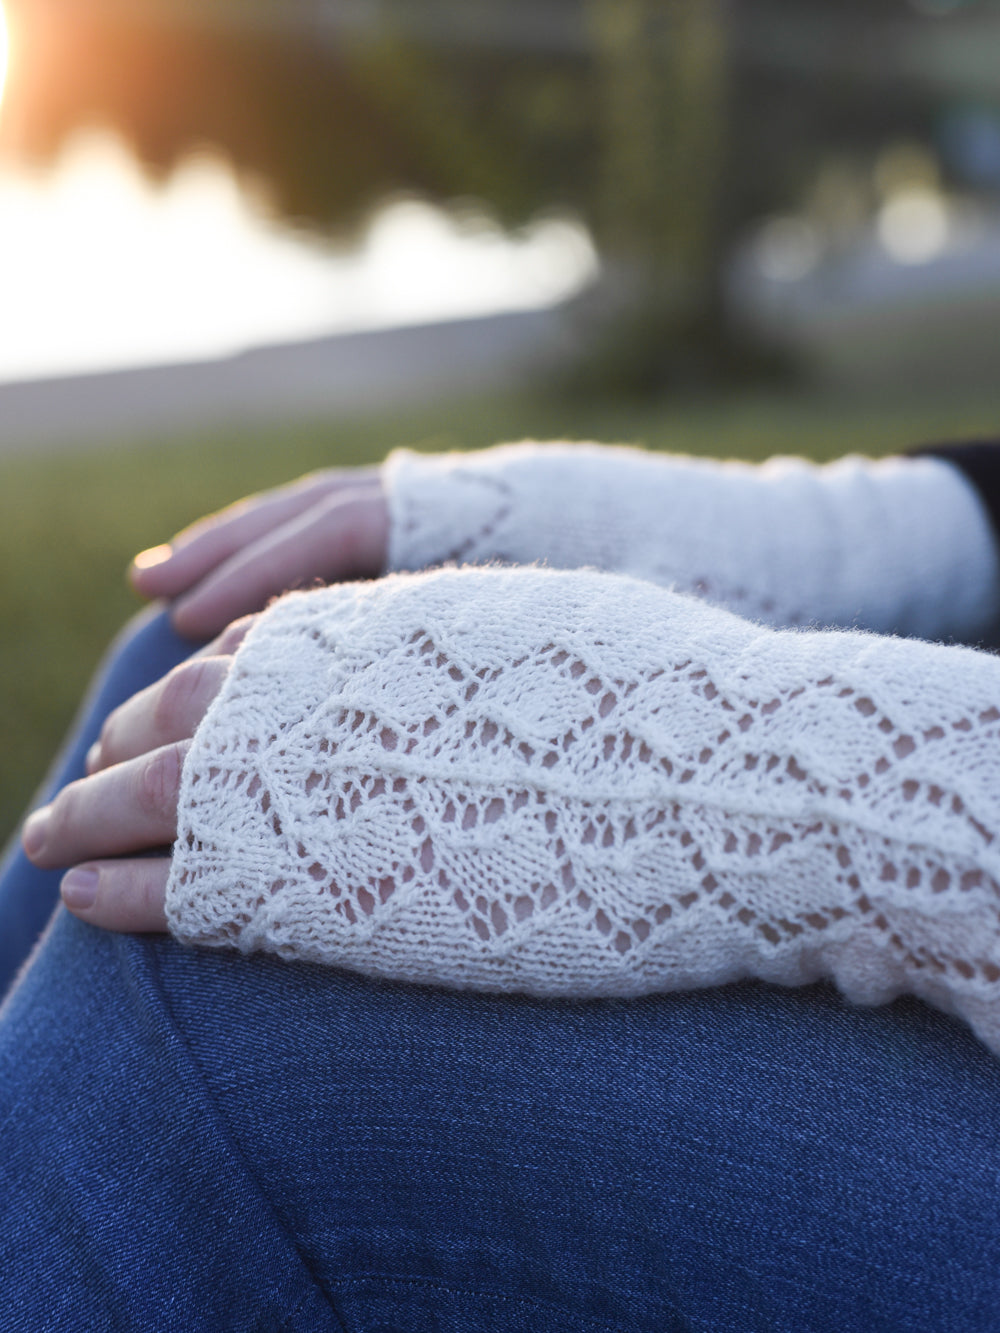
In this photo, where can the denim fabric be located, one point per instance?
(196, 1140)
(145, 650)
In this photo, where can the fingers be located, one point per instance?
(119, 895)
(127, 808)
(167, 711)
(169, 570)
(229, 640)
(344, 535)
(172, 708)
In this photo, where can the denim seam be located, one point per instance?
(527, 1302)
(286, 1322)
(150, 962)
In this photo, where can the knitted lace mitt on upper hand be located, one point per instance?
(898, 545)
(576, 784)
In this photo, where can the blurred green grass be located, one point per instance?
(70, 521)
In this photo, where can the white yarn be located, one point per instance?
(897, 545)
(580, 784)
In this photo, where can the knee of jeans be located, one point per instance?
(148, 646)
(150, 629)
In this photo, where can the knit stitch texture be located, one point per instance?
(581, 784)
(896, 545)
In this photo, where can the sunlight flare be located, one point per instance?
(4, 49)
(100, 268)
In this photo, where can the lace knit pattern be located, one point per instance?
(576, 784)
(896, 546)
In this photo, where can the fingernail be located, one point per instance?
(79, 888)
(35, 829)
(93, 757)
(156, 555)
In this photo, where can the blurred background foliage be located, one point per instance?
(779, 190)
(669, 126)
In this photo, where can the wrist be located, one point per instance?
(896, 546)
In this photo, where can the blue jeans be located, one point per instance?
(196, 1140)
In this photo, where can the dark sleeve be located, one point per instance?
(980, 461)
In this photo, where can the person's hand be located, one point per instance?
(328, 526)
(128, 801)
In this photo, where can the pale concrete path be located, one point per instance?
(346, 374)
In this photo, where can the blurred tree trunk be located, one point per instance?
(662, 83)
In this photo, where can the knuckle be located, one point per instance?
(177, 697)
(234, 634)
(107, 739)
(159, 781)
(65, 808)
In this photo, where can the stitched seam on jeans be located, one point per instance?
(152, 964)
(384, 1281)
(286, 1322)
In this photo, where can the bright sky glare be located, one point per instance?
(4, 45)
(99, 268)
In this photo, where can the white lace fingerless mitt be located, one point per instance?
(898, 545)
(576, 784)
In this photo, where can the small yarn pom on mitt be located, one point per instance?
(579, 784)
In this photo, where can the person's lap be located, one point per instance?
(201, 1140)
(145, 650)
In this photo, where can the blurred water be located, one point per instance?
(100, 268)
